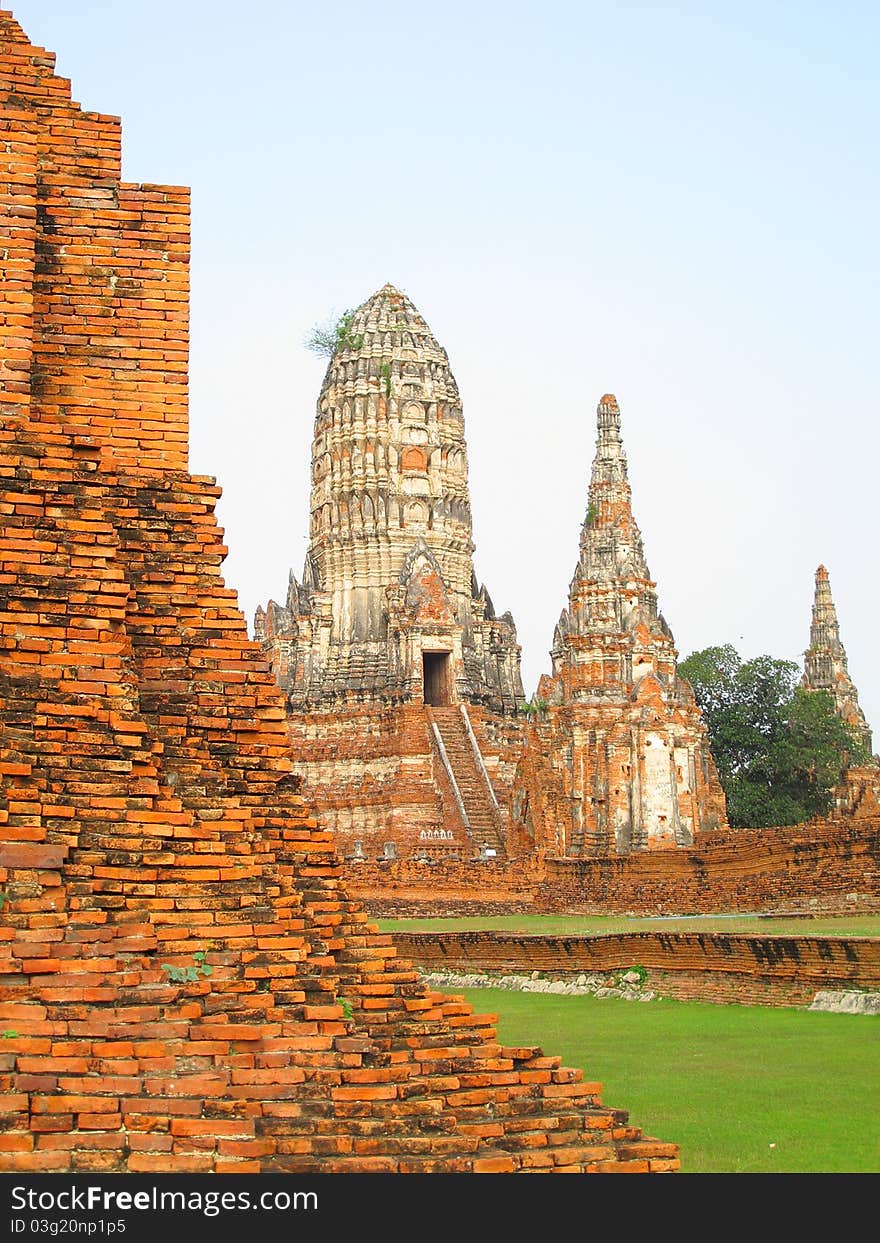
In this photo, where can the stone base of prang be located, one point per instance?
(618, 775)
(826, 867)
(377, 776)
(859, 793)
(719, 967)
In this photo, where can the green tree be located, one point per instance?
(779, 749)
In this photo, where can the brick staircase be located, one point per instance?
(484, 818)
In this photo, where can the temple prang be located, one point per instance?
(617, 757)
(826, 669)
(402, 683)
(403, 687)
(389, 609)
(825, 663)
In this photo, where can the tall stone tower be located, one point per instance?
(389, 609)
(389, 641)
(621, 759)
(825, 666)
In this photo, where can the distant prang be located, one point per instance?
(825, 665)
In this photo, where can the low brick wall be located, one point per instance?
(724, 967)
(833, 866)
(440, 888)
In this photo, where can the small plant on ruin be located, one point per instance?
(333, 335)
(636, 969)
(385, 373)
(188, 975)
(10, 1035)
(592, 513)
(346, 1007)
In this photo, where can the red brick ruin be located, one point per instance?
(187, 984)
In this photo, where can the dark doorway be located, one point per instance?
(435, 667)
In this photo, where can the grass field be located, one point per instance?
(741, 1089)
(596, 925)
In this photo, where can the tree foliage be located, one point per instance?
(779, 749)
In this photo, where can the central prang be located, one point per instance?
(389, 610)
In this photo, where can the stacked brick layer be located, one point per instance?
(831, 866)
(186, 984)
(378, 777)
(713, 966)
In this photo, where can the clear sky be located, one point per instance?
(676, 203)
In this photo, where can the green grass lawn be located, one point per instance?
(596, 925)
(741, 1089)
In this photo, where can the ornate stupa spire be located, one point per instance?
(825, 665)
(609, 481)
(628, 756)
(611, 592)
(389, 577)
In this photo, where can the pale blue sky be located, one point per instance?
(675, 202)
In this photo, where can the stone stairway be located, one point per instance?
(484, 818)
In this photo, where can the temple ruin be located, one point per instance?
(402, 684)
(187, 984)
(403, 687)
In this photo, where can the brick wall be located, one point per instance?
(441, 887)
(710, 966)
(831, 866)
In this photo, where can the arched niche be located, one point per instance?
(414, 458)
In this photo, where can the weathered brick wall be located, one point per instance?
(595, 773)
(186, 983)
(441, 887)
(712, 966)
(831, 866)
(95, 337)
(374, 776)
